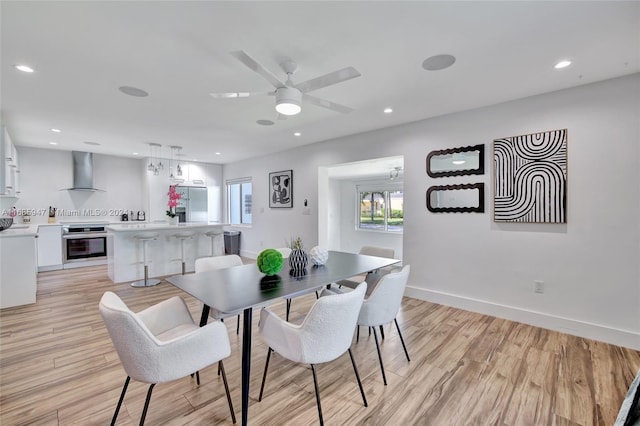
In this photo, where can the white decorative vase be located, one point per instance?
(174, 220)
(318, 256)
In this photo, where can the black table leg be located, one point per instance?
(205, 315)
(246, 363)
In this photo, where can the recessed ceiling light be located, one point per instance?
(92, 143)
(388, 110)
(135, 153)
(56, 130)
(297, 134)
(24, 68)
(438, 62)
(265, 122)
(53, 143)
(562, 64)
(218, 153)
(133, 91)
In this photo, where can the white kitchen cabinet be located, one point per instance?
(18, 281)
(49, 247)
(8, 166)
(195, 173)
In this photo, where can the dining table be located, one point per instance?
(242, 288)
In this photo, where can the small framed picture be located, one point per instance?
(281, 189)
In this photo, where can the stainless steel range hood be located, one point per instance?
(82, 172)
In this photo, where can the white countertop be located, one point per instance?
(20, 230)
(129, 227)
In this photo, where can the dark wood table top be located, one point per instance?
(232, 289)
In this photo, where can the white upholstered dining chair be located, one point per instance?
(324, 335)
(162, 344)
(285, 252)
(217, 262)
(382, 306)
(377, 251)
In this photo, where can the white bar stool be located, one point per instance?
(146, 282)
(182, 236)
(213, 234)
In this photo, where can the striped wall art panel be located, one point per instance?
(530, 176)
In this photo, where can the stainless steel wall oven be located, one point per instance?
(84, 242)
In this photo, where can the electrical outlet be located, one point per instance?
(538, 286)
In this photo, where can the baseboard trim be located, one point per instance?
(49, 268)
(587, 330)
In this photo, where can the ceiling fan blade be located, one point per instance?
(255, 66)
(327, 104)
(231, 95)
(328, 79)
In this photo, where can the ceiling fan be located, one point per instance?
(289, 96)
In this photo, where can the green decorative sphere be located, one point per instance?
(269, 261)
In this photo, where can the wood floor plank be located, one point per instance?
(575, 400)
(58, 367)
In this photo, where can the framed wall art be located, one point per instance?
(530, 178)
(281, 189)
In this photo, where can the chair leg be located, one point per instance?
(317, 296)
(382, 332)
(146, 404)
(264, 376)
(288, 309)
(226, 389)
(358, 335)
(124, 390)
(402, 340)
(315, 384)
(375, 336)
(238, 325)
(197, 377)
(355, 369)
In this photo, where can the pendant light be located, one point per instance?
(157, 166)
(175, 152)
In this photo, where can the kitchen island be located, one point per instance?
(125, 255)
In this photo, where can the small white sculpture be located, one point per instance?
(318, 255)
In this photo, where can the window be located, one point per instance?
(380, 210)
(239, 202)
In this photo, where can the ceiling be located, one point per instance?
(179, 52)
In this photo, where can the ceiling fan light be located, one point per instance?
(288, 101)
(288, 108)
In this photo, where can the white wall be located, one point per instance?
(45, 174)
(590, 265)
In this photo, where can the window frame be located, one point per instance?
(239, 182)
(383, 188)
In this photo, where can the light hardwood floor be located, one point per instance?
(58, 367)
